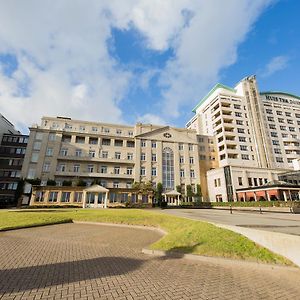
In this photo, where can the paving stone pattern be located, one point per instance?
(74, 261)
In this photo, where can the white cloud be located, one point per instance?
(152, 119)
(276, 64)
(64, 67)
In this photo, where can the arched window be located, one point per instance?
(168, 169)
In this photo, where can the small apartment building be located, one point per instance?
(224, 182)
(12, 153)
(115, 156)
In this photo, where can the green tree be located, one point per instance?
(158, 193)
(189, 192)
(178, 188)
(51, 182)
(198, 194)
(67, 183)
(80, 182)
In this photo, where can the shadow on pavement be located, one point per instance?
(34, 277)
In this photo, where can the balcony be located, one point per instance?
(87, 158)
(94, 174)
(226, 112)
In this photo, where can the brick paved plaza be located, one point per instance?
(74, 261)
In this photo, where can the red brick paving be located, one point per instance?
(73, 261)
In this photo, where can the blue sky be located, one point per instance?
(139, 60)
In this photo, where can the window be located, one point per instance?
(255, 181)
(81, 128)
(93, 141)
(192, 160)
(143, 143)
(280, 120)
(92, 153)
(241, 130)
(274, 134)
(37, 145)
(49, 152)
(153, 144)
(240, 180)
(61, 168)
(270, 119)
(284, 135)
(250, 181)
(78, 197)
(269, 111)
(282, 127)
(116, 184)
(143, 171)
(202, 157)
(245, 156)
(31, 173)
(80, 139)
(105, 129)
(275, 142)
(153, 171)
(130, 133)
(76, 168)
(39, 196)
(180, 146)
(39, 136)
(239, 122)
(106, 142)
(191, 147)
(242, 139)
(272, 126)
(118, 143)
(94, 129)
(181, 173)
(192, 174)
(143, 156)
(118, 131)
(279, 159)
(130, 144)
(129, 171)
(238, 114)
(53, 197)
(168, 168)
(128, 185)
(52, 137)
(117, 155)
(279, 113)
(181, 159)
(288, 114)
(46, 167)
(34, 157)
(78, 152)
(104, 154)
(292, 129)
(243, 147)
(236, 106)
(116, 170)
(103, 169)
(290, 121)
(153, 157)
(90, 168)
(130, 156)
(65, 197)
(66, 138)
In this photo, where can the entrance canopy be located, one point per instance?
(171, 193)
(96, 189)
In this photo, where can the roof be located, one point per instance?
(96, 189)
(217, 86)
(281, 93)
(172, 193)
(271, 184)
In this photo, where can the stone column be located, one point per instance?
(84, 199)
(284, 195)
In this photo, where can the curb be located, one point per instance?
(161, 231)
(214, 260)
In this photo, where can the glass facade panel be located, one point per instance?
(168, 169)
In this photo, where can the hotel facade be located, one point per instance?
(257, 135)
(116, 156)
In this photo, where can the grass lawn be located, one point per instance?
(184, 235)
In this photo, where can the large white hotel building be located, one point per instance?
(257, 135)
(239, 138)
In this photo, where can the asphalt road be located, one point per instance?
(278, 222)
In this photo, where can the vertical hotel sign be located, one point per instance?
(282, 100)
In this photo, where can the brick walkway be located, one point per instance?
(73, 261)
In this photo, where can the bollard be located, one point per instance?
(260, 209)
(230, 208)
